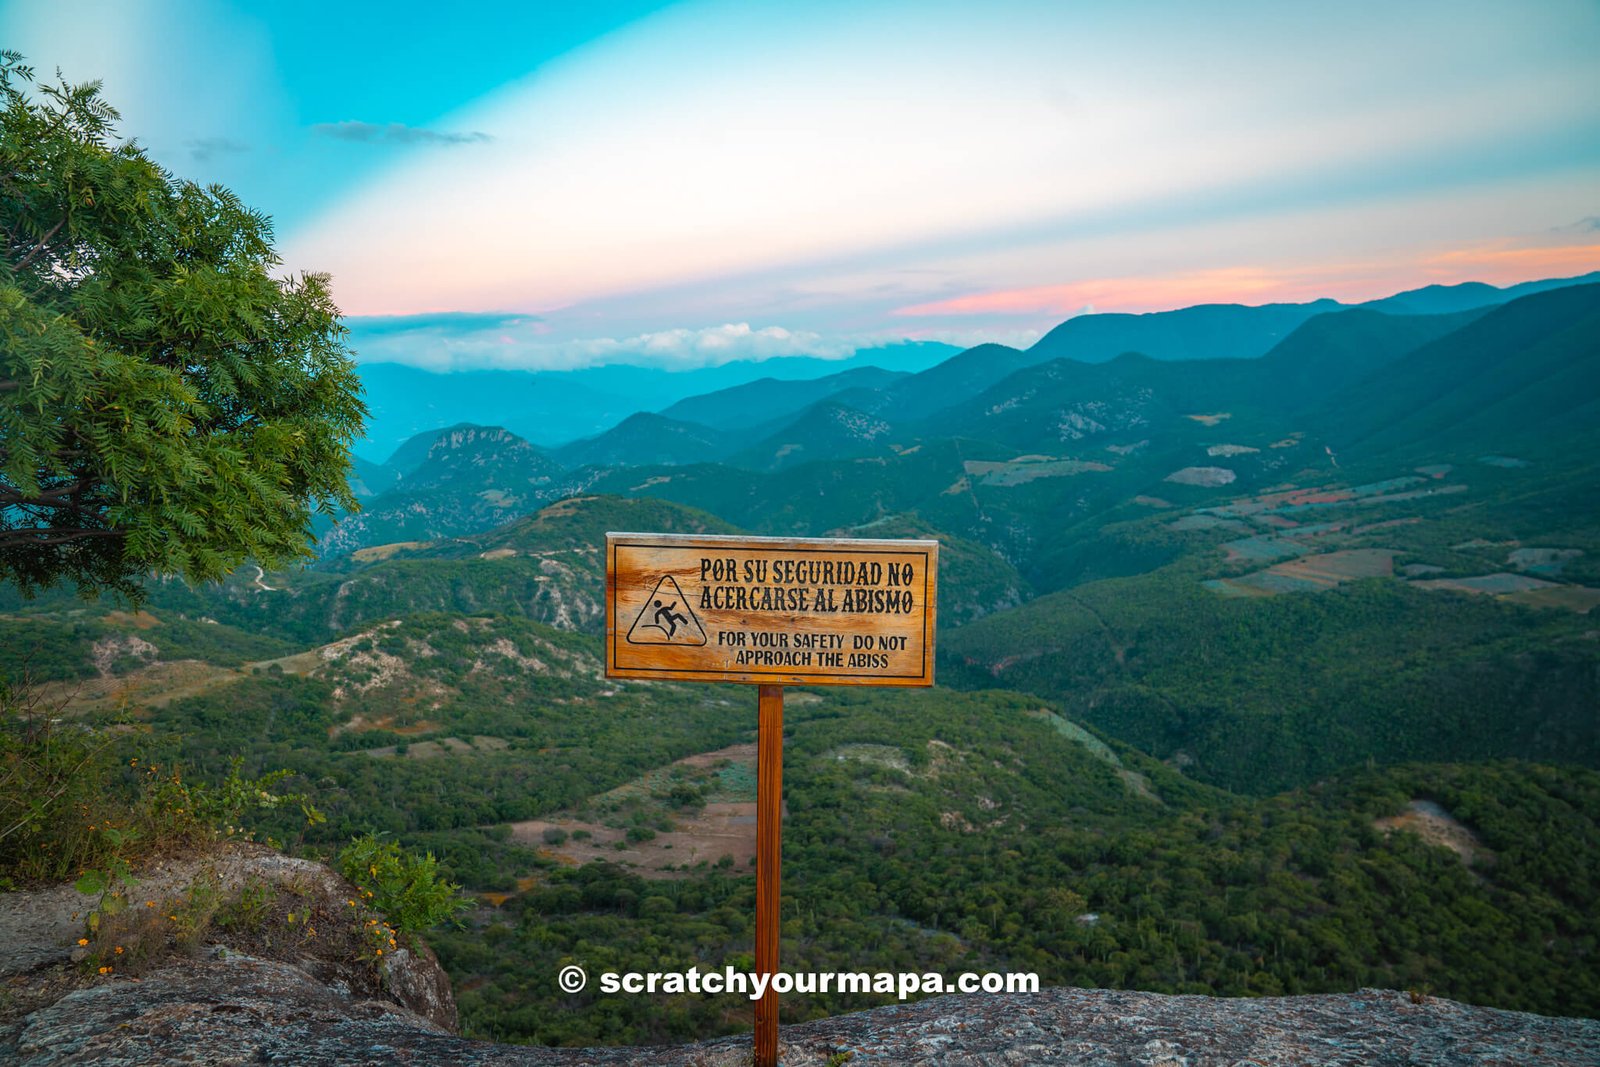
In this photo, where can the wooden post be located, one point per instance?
(769, 831)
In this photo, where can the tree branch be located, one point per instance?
(40, 537)
(70, 489)
(40, 246)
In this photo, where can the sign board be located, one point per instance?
(770, 610)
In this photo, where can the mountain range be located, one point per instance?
(552, 408)
(977, 443)
(1266, 651)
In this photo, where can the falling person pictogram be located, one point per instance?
(666, 618)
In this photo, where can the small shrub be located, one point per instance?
(554, 835)
(686, 796)
(192, 914)
(249, 911)
(52, 798)
(406, 888)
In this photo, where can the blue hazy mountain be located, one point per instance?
(1238, 331)
(555, 407)
(769, 399)
(1443, 299)
(899, 383)
(1207, 331)
(645, 439)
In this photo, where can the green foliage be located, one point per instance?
(223, 807)
(70, 809)
(408, 889)
(250, 909)
(53, 808)
(1005, 844)
(165, 404)
(1264, 694)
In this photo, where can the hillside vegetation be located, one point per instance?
(1268, 656)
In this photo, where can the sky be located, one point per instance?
(680, 184)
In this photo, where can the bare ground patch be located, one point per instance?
(151, 686)
(716, 831)
(1436, 826)
(1579, 598)
(379, 553)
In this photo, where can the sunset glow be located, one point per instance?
(859, 172)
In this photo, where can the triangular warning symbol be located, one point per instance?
(667, 618)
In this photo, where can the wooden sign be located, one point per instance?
(772, 610)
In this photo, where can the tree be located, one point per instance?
(166, 405)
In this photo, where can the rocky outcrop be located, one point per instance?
(231, 900)
(237, 1009)
(250, 995)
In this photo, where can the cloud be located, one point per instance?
(395, 133)
(1020, 337)
(1149, 293)
(1588, 224)
(203, 149)
(697, 147)
(520, 342)
(1505, 262)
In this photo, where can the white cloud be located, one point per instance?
(524, 344)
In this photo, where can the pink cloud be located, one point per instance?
(1154, 293)
(1499, 263)
(1505, 264)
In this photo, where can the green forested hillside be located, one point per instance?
(546, 566)
(1523, 376)
(645, 438)
(933, 830)
(769, 400)
(1260, 695)
(1258, 676)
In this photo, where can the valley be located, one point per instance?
(1268, 656)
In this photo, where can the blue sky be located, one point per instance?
(546, 186)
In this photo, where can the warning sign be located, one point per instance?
(770, 609)
(666, 618)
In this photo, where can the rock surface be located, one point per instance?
(315, 1003)
(42, 960)
(236, 1010)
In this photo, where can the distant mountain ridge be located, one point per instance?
(768, 399)
(909, 381)
(551, 408)
(983, 443)
(645, 438)
(1207, 331)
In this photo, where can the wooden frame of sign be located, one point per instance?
(772, 611)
